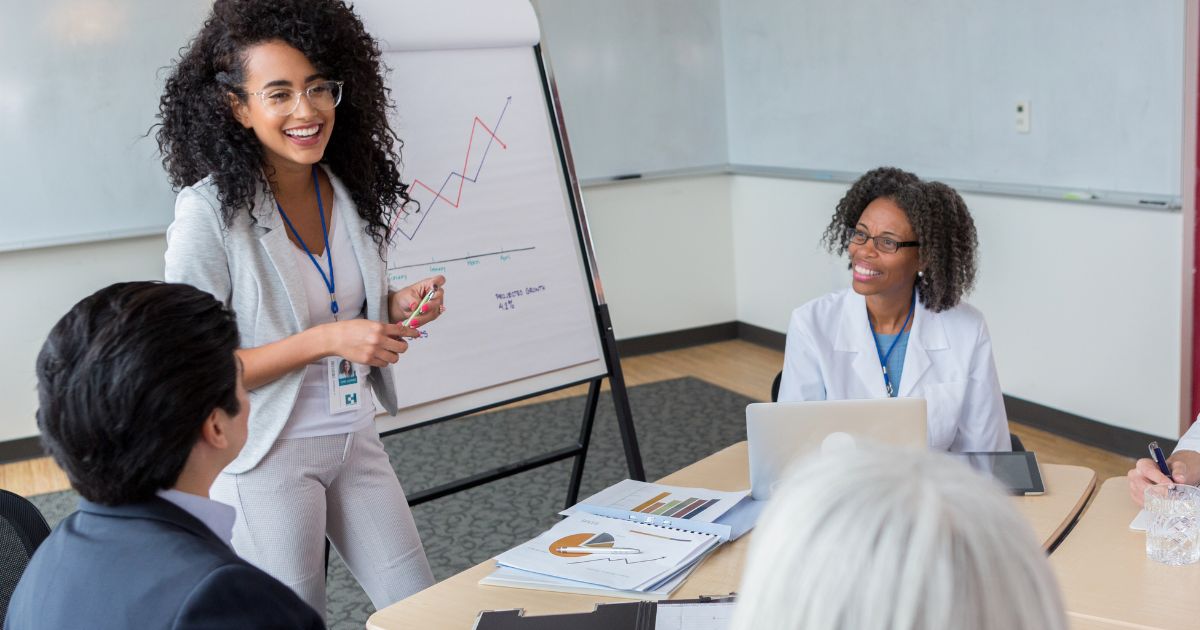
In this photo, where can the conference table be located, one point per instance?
(455, 603)
(1106, 580)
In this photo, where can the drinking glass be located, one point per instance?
(1173, 536)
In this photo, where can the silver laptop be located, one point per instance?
(778, 433)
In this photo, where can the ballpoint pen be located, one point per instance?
(604, 550)
(1157, 454)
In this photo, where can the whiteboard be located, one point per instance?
(931, 86)
(495, 217)
(82, 79)
(642, 83)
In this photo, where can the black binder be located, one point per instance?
(623, 616)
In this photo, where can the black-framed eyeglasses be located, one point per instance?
(282, 101)
(885, 244)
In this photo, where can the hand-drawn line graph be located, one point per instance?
(396, 229)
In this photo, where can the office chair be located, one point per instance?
(22, 530)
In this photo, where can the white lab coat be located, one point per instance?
(831, 355)
(1190, 441)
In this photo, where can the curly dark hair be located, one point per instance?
(938, 215)
(198, 135)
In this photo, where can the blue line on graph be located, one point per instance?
(473, 179)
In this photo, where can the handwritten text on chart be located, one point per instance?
(508, 300)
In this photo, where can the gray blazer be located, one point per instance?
(250, 267)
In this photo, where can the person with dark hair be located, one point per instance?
(902, 329)
(141, 402)
(282, 215)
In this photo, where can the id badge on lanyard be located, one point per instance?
(345, 385)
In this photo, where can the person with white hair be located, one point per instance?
(892, 539)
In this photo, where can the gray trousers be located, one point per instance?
(340, 486)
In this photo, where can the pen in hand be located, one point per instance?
(1157, 455)
(417, 311)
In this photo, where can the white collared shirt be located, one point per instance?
(217, 516)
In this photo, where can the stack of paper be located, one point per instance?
(609, 552)
(634, 539)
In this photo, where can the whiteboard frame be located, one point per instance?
(1124, 199)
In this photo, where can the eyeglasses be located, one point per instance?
(885, 244)
(282, 101)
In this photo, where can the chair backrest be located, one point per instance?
(22, 530)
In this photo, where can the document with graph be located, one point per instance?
(611, 553)
(727, 515)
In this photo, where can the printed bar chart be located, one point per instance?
(662, 504)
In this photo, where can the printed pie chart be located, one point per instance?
(581, 540)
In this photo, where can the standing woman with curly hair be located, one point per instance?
(283, 215)
(902, 328)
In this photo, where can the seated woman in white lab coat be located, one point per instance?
(902, 329)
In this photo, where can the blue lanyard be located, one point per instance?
(883, 358)
(327, 279)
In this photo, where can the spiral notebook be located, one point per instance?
(728, 515)
(612, 553)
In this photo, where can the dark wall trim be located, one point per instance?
(1125, 442)
(1117, 440)
(761, 336)
(677, 339)
(21, 449)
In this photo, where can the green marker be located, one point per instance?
(417, 311)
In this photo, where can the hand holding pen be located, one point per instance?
(418, 304)
(1156, 469)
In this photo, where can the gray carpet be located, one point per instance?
(678, 422)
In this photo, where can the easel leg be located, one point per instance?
(585, 438)
(616, 379)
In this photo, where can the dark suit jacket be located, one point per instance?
(147, 565)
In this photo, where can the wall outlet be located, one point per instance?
(1022, 121)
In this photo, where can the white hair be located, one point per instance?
(885, 539)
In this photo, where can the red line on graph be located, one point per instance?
(466, 160)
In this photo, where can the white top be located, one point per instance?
(310, 416)
(250, 265)
(215, 515)
(831, 355)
